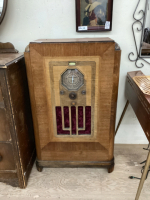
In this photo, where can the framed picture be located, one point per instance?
(94, 15)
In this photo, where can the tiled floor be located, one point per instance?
(87, 184)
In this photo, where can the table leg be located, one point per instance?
(122, 115)
(146, 168)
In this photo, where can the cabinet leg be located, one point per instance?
(39, 168)
(146, 168)
(111, 168)
(122, 116)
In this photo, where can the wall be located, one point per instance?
(27, 20)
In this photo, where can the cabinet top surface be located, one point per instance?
(73, 40)
(8, 58)
(138, 73)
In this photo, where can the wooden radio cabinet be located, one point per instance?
(17, 144)
(73, 89)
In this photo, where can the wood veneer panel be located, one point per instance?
(40, 96)
(114, 101)
(76, 156)
(74, 146)
(105, 93)
(4, 125)
(32, 99)
(7, 58)
(4, 128)
(68, 49)
(7, 162)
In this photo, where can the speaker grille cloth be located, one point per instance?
(74, 120)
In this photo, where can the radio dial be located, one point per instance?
(72, 95)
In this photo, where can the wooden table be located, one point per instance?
(141, 106)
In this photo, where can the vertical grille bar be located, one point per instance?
(83, 129)
(70, 121)
(77, 126)
(63, 121)
(62, 113)
(83, 117)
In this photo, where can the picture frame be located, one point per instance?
(2, 13)
(94, 15)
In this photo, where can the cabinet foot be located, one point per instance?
(111, 168)
(39, 168)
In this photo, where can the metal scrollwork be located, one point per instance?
(140, 22)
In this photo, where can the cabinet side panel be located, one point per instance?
(22, 117)
(33, 102)
(38, 78)
(105, 95)
(114, 101)
(4, 113)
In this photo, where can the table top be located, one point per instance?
(8, 58)
(139, 73)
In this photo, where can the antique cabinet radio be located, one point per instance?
(73, 89)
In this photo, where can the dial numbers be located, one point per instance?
(72, 79)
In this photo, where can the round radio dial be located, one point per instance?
(72, 95)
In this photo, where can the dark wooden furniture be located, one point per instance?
(17, 146)
(92, 143)
(139, 102)
(141, 106)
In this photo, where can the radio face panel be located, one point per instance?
(73, 97)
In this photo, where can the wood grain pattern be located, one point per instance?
(75, 164)
(16, 134)
(41, 89)
(114, 99)
(4, 126)
(8, 58)
(7, 162)
(21, 110)
(32, 99)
